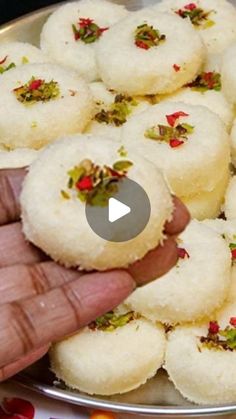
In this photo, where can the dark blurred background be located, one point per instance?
(10, 9)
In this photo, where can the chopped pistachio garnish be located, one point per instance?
(167, 134)
(198, 16)
(146, 36)
(118, 111)
(37, 90)
(87, 31)
(220, 339)
(25, 60)
(34, 124)
(206, 81)
(95, 184)
(4, 68)
(111, 321)
(65, 194)
(122, 152)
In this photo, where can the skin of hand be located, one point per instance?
(42, 302)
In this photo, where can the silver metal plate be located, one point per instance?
(158, 397)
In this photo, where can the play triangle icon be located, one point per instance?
(117, 210)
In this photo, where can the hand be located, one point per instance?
(41, 301)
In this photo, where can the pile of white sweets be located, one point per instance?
(149, 95)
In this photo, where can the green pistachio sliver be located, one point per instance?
(76, 173)
(65, 194)
(208, 24)
(189, 128)
(25, 60)
(122, 165)
(122, 151)
(232, 246)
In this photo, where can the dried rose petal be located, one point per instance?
(141, 44)
(83, 22)
(3, 60)
(182, 253)
(233, 321)
(214, 328)
(19, 407)
(233, 253)
(190, 6)
(85, 184)
(174, 143)
(35, 84)
(171, 119)
(176, 68)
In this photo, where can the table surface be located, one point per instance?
(44, 408)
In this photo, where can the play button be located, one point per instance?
(117, 210)
(125, 216)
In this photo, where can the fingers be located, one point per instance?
(156, 263)
(60, 312)
(181, 218)
(10, 187)
(12, 369)
(14, 249)
(20, 282)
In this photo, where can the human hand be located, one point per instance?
(42, 302)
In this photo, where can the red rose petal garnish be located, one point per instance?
(116, 174)
(190, 6)
(85, 184)
(209, 79)
(176, 68)
(213, 328)
(19, 408)
(233, 253)
(35, 84)
(233, 321)
(141, 44)
(174, 143)
(101, 30)
(4, 60)
(171, 119)
(182, 253)
(83, 22)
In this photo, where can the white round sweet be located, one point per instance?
(218, 29)
(213, 100)
(230, 200)
(96, 361)
(159, 390)
(59, 226)
(226, 228)
(203, 375)
(195, 287)
(39, 123)
(194, 166)
(233, 143)
(58, 40)
(13, 54)
(207, 204)
(122, 107)
(20, 157)
(126, 67)
(228, 73)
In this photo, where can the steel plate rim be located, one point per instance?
(118, 407)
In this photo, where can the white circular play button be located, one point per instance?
(125, 216)
(117, 210)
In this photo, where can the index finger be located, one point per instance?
(35, 322)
